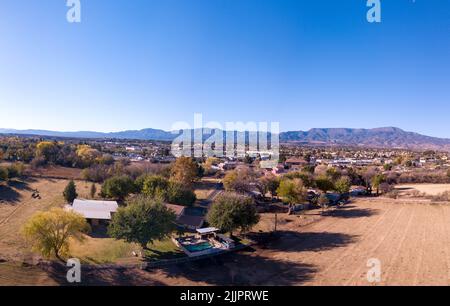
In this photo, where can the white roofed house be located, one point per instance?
(95, 212)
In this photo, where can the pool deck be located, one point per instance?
(214, 247)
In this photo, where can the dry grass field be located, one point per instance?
(17, 205)
(57, 172)
(206, 188)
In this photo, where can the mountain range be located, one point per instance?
(387, 137)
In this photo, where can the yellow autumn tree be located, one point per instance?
(47, 150)
(87, 154)
(49, 232)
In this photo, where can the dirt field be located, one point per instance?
(410, 240)
(429, 189)
(56, 172)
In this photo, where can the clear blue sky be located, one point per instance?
(147, 63)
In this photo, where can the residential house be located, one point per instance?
(296, 163)
(186, 219)
(95, 212)
(228, 166)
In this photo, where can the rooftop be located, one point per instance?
(91, 209)
(207, 230)
(177, 209)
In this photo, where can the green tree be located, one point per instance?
(49, 232)
(70, 192)
(342, 185)
(139, 182)
(231, 212)
(180, 195)
(333, 174)
(93, 191)
(377, 180)
(268, 184)
(273, 183)
(306, 177)
(324, 183)
(154, 185)
(118, 187)
(168, 191)
(143, 221)
(292, 192)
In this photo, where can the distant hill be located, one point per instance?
(387, 137)
(146, 134)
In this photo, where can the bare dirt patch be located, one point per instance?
(429, 189)
(56, 172)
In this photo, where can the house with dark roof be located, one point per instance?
(185, 218)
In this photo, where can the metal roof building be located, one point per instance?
(90, 209)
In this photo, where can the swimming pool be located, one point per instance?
(198, 247)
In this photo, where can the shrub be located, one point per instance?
(118, 187)
(16, 170)
(38, 162)
(3, 174)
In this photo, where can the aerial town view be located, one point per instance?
(242, 143)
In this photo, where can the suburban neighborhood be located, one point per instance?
(202, 209)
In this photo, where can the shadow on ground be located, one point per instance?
(289, 241)
(242, 269)
(9, 195)
(9, 192)
(352, 213)
(103, 277)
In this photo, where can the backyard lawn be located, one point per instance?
(109, 250)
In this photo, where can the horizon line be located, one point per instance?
(174, 131)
